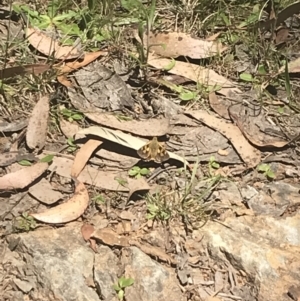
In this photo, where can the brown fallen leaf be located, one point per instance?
(83, 156)
(44, 192)
(38, 123)
(154, 251)
(73, 66)
(108, 180)
(110, 237)
(195, 73)
(68, 211)
(149, 127)
(220, 106)
(68, 129)
(87, 231)
(250, 155)
(121, 138)
(23, 177)
(174, 44)
(12, 126)
(48, 46)
(22, 70)
(257, 137)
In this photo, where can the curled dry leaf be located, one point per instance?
(73, 66)
(122, 138)
(68, 211)
(83, 156)
(23, 177)
(195, 73)
(247, 152)
(174, 44)
(49, 46)
(37, 126)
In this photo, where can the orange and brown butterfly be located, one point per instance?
(154, 150)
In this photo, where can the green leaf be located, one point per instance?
(131, 5)
(77, 117)
(127, 282)
(116, 287)
(170, 66)
(132, 172)
(280, 110)
(47, 159)
(247, 77)
(25, 163)
(144, 171)
(187, 95)
(271, 174)
(263, 167)
(261, 69)
(215, 165)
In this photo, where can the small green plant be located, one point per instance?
(25, 222)
(71, 115)
(99, 199)
(72, 146)
(267, 171)
(212, 164)
(157, 207)
(123, 282)
(138, 172)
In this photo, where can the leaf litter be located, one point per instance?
(238, 129)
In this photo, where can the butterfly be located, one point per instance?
(154, 151)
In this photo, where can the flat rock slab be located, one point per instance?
(267, 249)
(57, 264)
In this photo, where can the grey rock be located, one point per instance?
(151, 280)
(61, 261)
(263, 247)
(106, 272)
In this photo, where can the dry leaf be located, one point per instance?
(195, 73)
(154, 251)
(73, 66)
(108, 180)
(12, 126)
(149, 127)
(49, 46)
(257, 137)
(247, 152)
(110, 237)
(69, 129)
(87, 231)
(220, 106)
(37, 126)
(83, 156)
(23, 177)
(44, 192)
(122, 138)
(174, 44)
(68, 211)
(24, 69)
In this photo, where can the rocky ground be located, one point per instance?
(146, 158)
